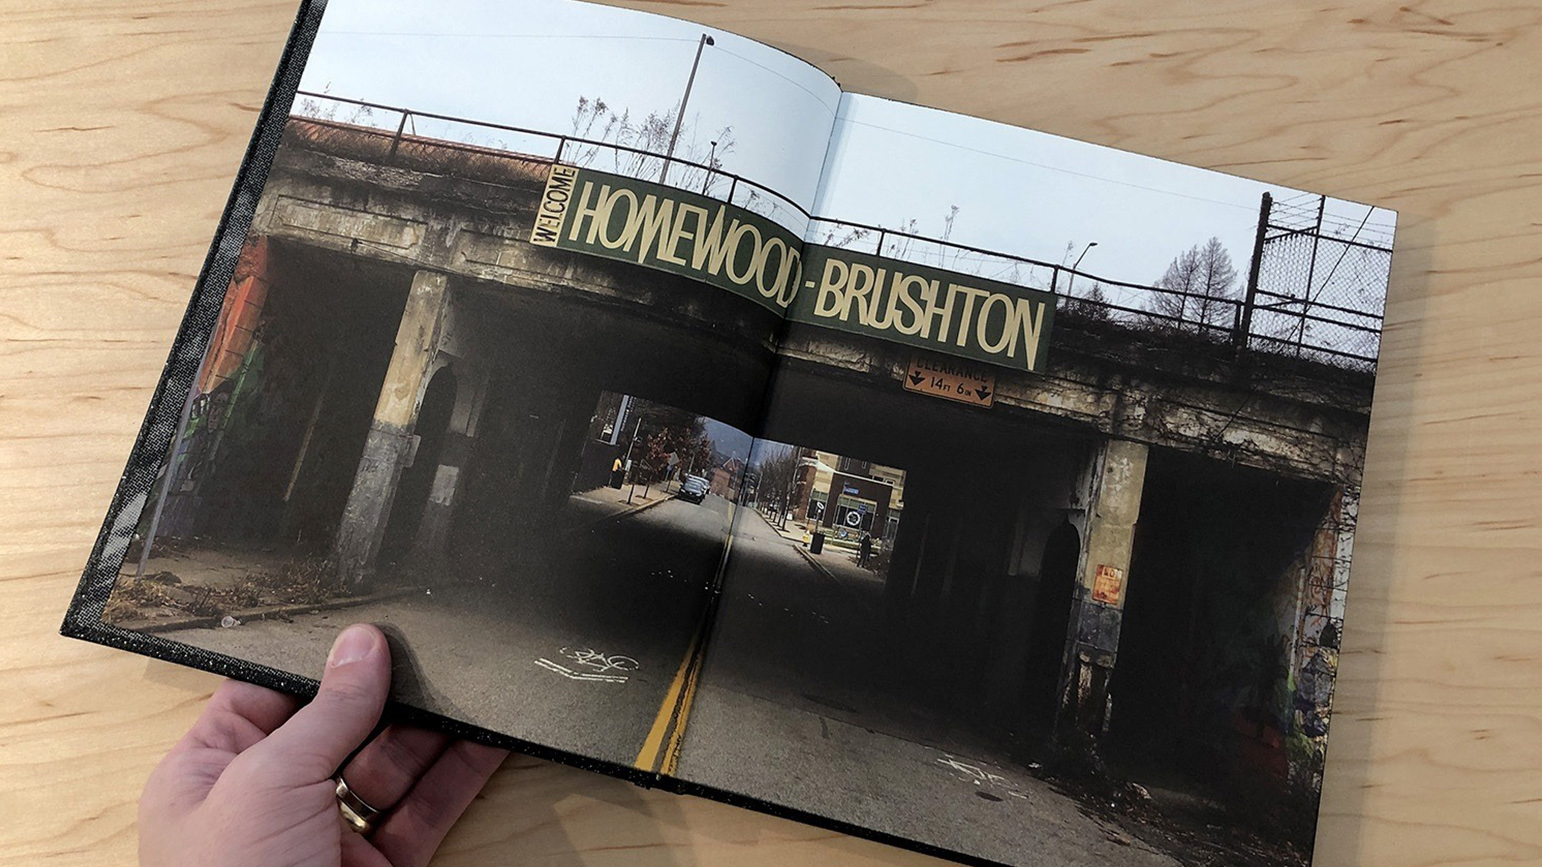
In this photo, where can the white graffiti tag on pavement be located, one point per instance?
(591, 658)
(980, 776)
(601, 665)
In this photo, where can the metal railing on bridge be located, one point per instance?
(1281, 309)
(1291, 305)
(485, 138)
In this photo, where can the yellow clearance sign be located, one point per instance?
(670, 230)
(945, 378)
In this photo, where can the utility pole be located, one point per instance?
(1245, 315)
(680, 117)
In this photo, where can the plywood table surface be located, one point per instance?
(121, 130)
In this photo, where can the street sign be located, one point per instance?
(1108, 585)
(950, 379)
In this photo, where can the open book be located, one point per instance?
(683, 417)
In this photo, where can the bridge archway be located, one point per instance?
(417, 480)
(992, 499)
(1051, 617)
(1221, 556)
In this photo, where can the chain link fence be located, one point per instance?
(1320, 286)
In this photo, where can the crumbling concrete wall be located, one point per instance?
(465, 347)
(473, 230)
(1315, 626)
(386, 448)
(1209, 410)
(1118, 478)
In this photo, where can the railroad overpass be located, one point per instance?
(1070, 553)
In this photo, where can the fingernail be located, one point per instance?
(356, 643)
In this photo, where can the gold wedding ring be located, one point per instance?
(359, 815)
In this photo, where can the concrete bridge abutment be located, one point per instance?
(389, 443)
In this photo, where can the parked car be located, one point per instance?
(693, 488)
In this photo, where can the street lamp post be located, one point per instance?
(711, 161)
(1072, 281)
(680, 117)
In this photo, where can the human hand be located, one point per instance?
(251, 784)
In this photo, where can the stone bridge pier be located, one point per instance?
(1118, 477)
(389, 447)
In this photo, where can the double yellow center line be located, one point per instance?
(660, 753)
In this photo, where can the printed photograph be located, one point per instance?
(1102, 616)
(979, 489)
(521, 461)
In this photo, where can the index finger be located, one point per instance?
(239, 715)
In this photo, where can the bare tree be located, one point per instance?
(776, 466)
(1201, 283)
(640, 145)
(1093, 305)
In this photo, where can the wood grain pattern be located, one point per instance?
(123, 124)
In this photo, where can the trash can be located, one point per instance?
(818, 544)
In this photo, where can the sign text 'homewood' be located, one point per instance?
(669, 229)
(729, 247)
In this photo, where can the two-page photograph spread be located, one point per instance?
(679, 415)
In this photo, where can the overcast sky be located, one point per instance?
(526, 63)
(1029, 193)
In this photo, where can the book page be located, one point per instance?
(1044, 549)
(507, 302)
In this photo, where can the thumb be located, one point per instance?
(316, 740)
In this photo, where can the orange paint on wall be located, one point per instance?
(244, 299)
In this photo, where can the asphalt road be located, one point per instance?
(585, 654)
(577, 654)
(788, 710)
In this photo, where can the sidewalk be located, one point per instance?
(606, 503)
(837, 564)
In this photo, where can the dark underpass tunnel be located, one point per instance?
(274, 462)
(1201, 691)
(1051, 616)
(417, 480)
(547, 366)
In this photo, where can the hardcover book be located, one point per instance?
(683, 417)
